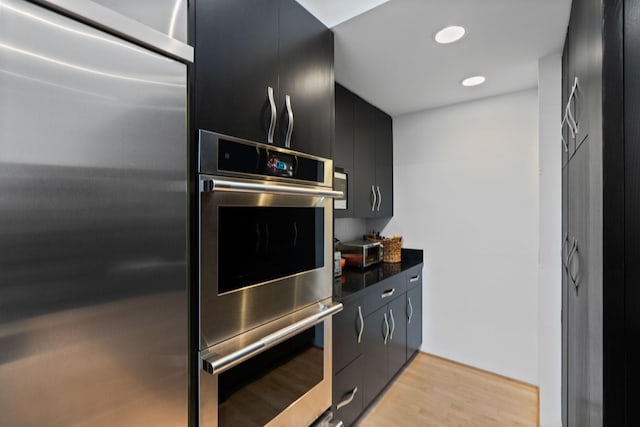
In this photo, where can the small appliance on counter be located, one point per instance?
(361, 253)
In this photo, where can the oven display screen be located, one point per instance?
(280, 164)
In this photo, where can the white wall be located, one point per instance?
(466, 191)
(550, 280)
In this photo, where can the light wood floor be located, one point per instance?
(436, 392)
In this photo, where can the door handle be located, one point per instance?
(393, 324)
(373, 204)
(361, 324)
(274, 115)
(574, 278)
(344, 402)
(410, 309)
(287, 138)
(379, 198)
(386, 334)
(414, 279)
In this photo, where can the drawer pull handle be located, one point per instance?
(344, 402)
(388, 293)
(414, 279)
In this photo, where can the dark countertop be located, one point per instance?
(354, 280)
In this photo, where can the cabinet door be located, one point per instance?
(364, 159)
(397, 343)
(236, 60)
(343, 144)
(565, 97)
(578, 290)
(375, 372)
(414, 321)
(581, 58)
(384, 164)
(306, 75)
(347, 393)
(566, 243)
(348, 326)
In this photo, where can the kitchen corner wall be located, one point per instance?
(466, 191)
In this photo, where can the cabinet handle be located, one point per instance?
(564, 142)
(344, 402)
(410, 309)
(274, 115)
(574, 279)
(379, 198)
(565, 260)
(373, 204)
(393, 324)
(361, 324)
(386, 334)
(414, 279)
(287, 138)
(388, 293)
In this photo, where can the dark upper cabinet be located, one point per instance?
(236, 61)
(343, 143)
(363, 148)
(306, 76)
(364, 159)
(384, 164)
(245, 47)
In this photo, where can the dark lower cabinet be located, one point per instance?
(375, 356)
(348, 392)
(414, 321)
(373, 338)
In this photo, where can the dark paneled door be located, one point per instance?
(236, 60)
(364, 159)
(384, 164)
(578, 289)
(306, 76)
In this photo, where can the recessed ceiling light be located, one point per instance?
(450, 34)
(473, 81)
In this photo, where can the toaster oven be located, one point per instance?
(361, 253)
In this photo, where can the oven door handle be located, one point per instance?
(217, 363)
(210, 184)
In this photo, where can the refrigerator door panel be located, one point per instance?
(93, 306)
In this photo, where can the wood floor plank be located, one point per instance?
(436, 392)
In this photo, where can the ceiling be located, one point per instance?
(388, 56)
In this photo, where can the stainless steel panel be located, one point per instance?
(92, 227)
(303, 412)
(225, 316)
(158, 24)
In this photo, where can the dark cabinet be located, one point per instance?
(364, 149)
(343, 143)
(375, 357)
(348, 327)
(347, 393)
(263, 71)
(373, 337)
(414, 313)
(364, 159)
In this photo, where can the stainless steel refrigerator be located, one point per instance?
(93, 208)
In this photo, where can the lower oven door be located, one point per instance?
(282, 379)
(266, 250)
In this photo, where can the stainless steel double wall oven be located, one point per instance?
(266, 252)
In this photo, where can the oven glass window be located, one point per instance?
(256, 391)
(258, 244)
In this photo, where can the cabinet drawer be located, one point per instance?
(414, 277)
(384, 292)
(347, 393)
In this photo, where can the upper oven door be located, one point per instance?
(265, 251)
